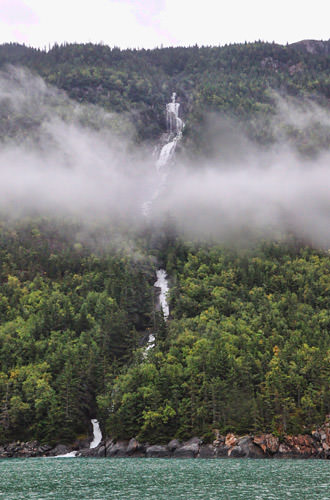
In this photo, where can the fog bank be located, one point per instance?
(61, 158)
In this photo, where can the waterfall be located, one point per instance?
(97, 434)
(174, 134)
(97, 438)
(162, 283)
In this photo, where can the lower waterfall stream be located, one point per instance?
(97, 438)
(174, 133)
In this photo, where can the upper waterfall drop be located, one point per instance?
(175, 127)
(174, 123)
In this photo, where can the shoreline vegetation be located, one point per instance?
(301, 446)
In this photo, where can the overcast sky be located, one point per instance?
(151, 23)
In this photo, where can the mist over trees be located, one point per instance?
(246, 347)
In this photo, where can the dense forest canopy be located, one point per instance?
(246, 347)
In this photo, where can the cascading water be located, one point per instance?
(97, 434)
(174, 134)
(97, 438)
(162, 283)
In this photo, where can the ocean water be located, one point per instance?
(158, 479)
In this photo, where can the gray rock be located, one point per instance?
(45, 448)
(189, 449)
(157, 451)
(99, 452)
(118, 449)
(135, 448)
(82, 444)
(60, 449)
(221, 451)
(173, 445)
(206, 451)
(87, 452)
(245, 448)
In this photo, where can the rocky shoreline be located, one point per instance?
(314, 445)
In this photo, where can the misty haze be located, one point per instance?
(66, 158)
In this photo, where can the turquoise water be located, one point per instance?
(99, 479)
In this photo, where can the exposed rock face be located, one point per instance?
(230, 440)
(267, 442)
(296, 68)
(206, 451)
(321, 47)
(270, 63)
(245, 448)
(118, 449)
(98, 452)
(60, 449)
(189, 449)
(173, 445)
(135, 448)
(222, 451)
(157, 451)
(24, 450)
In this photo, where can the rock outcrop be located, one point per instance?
(157, 451)
(189, 449)
(314, 445)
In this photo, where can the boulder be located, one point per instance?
(101, 451)
(284, 451)
(221, 451)
(118, 449)
(60, 449)
(135, 448)
(98, 452)
(157, 451)
(206, 451)
(173, 445)
(302, 445)
(267, 442)
(219, 440)
(189, 449)
(245, 448)
(44, 449)
(82, 444)
(230, 440)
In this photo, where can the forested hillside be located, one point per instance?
(246, 346)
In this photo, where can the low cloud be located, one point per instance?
(61, 158)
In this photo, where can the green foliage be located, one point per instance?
(68, 317)
(235, 80)
(247, 349)
(247, 344)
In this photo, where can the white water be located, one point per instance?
(174, 134)
(97, 438)
(166, 154)
(71, 454)
(162, 283)
(97, 434)
(151, 342)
